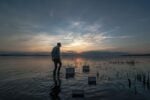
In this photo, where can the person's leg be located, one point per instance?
(55, 65)
(60, 64)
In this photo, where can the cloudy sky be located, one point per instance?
(80, 25)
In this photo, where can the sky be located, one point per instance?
(80, 25)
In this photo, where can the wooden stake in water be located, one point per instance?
(129, 83)
(148, 81)
(92, 80)
(135, 90)
(139, 77)
(97, 74)
(144, 79)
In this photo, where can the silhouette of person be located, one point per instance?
(56, 58)
(56, 88)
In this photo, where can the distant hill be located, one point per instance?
(102, 54)
(24, 54)
(137, 55)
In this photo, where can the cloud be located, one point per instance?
(88, 37)
(84, 27)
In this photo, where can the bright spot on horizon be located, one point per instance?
(77, 45)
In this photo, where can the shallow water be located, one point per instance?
(31, 78)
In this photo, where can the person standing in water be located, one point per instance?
(56, 58)
(56, 87)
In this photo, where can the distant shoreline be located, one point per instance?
(91, 54)
(132, 55)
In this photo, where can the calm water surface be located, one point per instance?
(31, 78)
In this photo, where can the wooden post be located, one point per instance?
(92, 80)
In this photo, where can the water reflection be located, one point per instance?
(56, 87)
(78, 61)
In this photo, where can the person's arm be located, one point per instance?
(59, 53)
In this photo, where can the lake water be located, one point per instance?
(31, 78)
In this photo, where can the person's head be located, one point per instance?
(59, 44)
